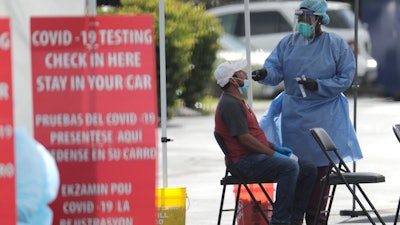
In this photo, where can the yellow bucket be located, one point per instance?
(171, 203)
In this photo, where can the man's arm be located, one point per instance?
(252, 144)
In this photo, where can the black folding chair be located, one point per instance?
(396, 130)
(233, 177)
(340, 174)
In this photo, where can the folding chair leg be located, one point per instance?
(371, 205)
(330, 196)
(258, 206)
(221, 206)
(236, 204)
(271, 202)
(397, 213)
(235, 211)
(362, 206)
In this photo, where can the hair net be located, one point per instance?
(318, 6)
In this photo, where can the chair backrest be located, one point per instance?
(228, 161)
(323, 139)
(396, 130)
(327, 145)
(221, 143)
(223, 147)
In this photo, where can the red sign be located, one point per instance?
(95, 109)
(7, 165)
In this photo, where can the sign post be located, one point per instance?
(95, 109)
(7, 165)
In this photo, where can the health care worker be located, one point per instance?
(37, 180)
(316, 68)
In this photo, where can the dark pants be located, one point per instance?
(294, 183)
(314, 199)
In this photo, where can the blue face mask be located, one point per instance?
(305, 29)
(243, 89)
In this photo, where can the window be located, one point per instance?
(268, 23)
(341, 19)
(229, 23)
(261, 23)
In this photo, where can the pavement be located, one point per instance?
(194, 161)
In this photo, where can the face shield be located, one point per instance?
(305, 23)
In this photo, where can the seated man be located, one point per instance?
(253, 154)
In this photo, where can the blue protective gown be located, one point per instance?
(329, 60)
(37, 180)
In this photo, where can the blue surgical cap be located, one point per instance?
(318, 6)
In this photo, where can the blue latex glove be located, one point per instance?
(279, 155)
(283, 150)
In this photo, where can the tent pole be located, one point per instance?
(248, 55)
(92, 5)
(163, 92)
(355, 86)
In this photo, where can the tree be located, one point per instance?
(190, 45)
